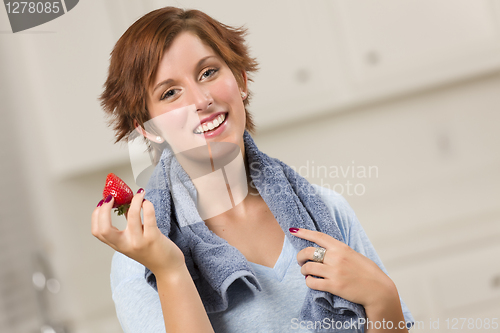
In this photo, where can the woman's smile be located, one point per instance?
(212, 125)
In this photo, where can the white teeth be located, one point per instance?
(211, 125)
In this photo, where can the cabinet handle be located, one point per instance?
(372, 58)
(303, 75)
(495, 282)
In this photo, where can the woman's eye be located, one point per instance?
(208, 73)
(168, 94)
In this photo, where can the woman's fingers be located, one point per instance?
(306, 255)
(134, 223)
(317, 275)
(150, 226)
(314, 268)
(333, 246)
(135, 233)
(317, 237)
(94, 226)
(317, 283)
(107, 232)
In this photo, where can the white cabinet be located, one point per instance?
(316, 57)
(453, 286)
(393, 46)
(301, 68)
(471, 279)
(54, 77)
(326, 55)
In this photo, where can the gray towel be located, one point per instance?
(214, 264)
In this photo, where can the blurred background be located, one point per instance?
(394, 104)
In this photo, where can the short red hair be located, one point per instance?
(138, 52)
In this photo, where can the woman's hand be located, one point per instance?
(142, 242)
(181, 304)
(345, 272)
(350, 275)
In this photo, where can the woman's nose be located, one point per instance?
(200, 97)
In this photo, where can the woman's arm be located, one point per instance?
(182, 308)
(387, 313)
(181, 304)
(354, 277)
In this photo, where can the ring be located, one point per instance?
(319, 254)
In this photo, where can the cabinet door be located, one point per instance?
(326, 55)
(393, 46)
(300, 74)
(471, 281)
(57, 72)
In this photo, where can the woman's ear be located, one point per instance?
(245, 81)
(244, 89)
(147, 135)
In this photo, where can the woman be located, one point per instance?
(179, 78)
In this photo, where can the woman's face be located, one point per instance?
(194, 90)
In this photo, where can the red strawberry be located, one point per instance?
(120, 191)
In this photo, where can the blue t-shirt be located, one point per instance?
(275, 308)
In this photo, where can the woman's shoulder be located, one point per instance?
(339, 208)
(330, 196)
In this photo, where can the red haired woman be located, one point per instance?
(242, 269)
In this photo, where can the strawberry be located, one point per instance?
(120, 191)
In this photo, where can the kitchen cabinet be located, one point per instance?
(451, 287)
(315, 58)
(393, 47)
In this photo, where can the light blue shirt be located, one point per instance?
(274, 309)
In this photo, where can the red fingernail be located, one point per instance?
(140, 190)
(108, 198)
(100, 203)
(293, 230)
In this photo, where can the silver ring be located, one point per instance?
(319, 254)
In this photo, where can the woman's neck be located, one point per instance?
(220, 174)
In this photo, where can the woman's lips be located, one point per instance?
(216, 131)
(208, 119)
